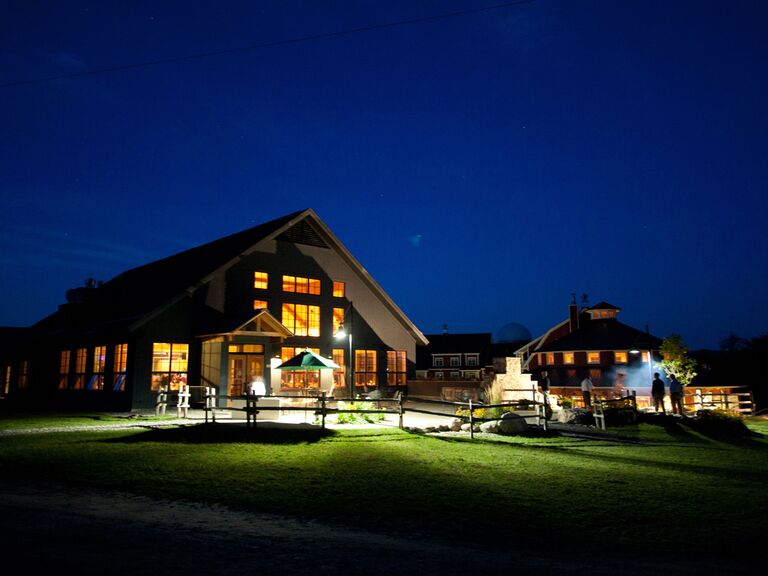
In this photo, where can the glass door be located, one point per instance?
(244, 369)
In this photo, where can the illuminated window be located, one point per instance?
(99, 360)
(260, 280)
(301, 285)
(438, 362)
(23, 373)
(169, 365)
(365, 368)
(396, 367)
(338, 319)
(339, 381)
(64, 369)
(121, 363)
(7, 383)
(80, 358)
(301, 319)
(259, 304)
(593, 357)
(298, 378)
(620, 357)
(645, 356)
(567, 357)
(338, 289)
(550, 358)
(246, 349)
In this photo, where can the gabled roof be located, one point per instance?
(604, 306)
(139, 294)
(212, 323)
(602, 335)
(455, 343)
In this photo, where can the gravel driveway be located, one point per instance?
(57, 529)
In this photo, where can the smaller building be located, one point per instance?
(592, 342)
(452, 366)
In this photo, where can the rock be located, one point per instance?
(456, 425)
(465, 427)
(566, 415)
(444, 428)
(476, 428)
(430, 430)
(491, 427)
(512, 424)
(415, 430)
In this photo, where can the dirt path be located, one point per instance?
(65, 530)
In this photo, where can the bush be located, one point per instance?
(358, 418)
(478, 412)
(719, 423)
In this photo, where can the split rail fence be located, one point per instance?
(322, 406)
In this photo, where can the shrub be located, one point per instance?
(356, 417)
(478, 412)
(719, 423)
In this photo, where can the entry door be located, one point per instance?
(244, 369)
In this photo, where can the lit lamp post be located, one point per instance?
(346, 332)
(340, 335)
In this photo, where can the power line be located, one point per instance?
(265, 44)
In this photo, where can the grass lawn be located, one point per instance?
(18, 421)
(678, 490)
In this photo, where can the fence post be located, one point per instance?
(400, 409)
(162, 400)
(322, 408)
(725, 401)
(471, 420)
(212, 399)
(182, 406)
(544, 408)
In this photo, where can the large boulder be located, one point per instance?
(576, 416)
(491, 427)
(456, 425)
(511, 424)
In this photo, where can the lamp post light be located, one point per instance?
(340, 335)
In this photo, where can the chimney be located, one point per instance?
(445, 329)
(573, 314)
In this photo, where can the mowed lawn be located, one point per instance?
(676, 491)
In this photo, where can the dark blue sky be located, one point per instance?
(481, 167)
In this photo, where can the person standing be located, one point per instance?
(586, 391)
(676, 394)
(657, 393)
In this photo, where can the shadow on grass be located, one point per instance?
(225, 434)
(577, 450)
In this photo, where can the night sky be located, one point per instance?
(481, 167)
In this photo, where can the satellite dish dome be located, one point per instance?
(513, 332)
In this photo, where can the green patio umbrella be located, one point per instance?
(308, 360)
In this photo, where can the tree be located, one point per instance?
(675, 359)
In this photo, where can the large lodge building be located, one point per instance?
(223, 315)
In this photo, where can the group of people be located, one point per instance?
(658, 391)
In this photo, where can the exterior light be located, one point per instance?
(340, 335)
(634, 351)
